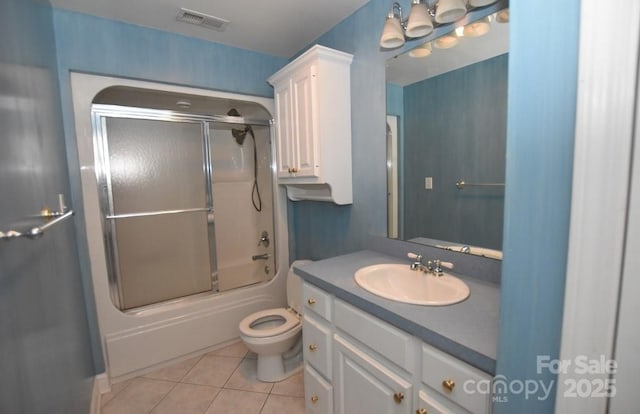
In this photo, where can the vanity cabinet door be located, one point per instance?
(316, 339)
(318, 394)
(363, 385)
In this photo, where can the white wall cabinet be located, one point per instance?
(313, 126)
(366, 365)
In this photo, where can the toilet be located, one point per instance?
(275, 335)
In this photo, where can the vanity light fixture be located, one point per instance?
(423, 17)
(478, 28)
(421, 51)
(502, 16)
(447, 41)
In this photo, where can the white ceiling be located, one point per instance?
(274, 27)
(404, 70)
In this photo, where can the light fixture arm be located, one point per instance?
(396, 13)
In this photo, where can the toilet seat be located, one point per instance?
(290, 321)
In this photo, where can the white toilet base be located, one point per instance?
(271, 368)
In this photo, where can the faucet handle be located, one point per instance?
(448, 265)
(414, 256)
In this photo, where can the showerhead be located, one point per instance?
(238, 134)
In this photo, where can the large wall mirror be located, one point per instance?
(446, 139)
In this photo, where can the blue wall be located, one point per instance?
(456, 128)
(540, 135)
(323, 229)
(106, 47)
(540, 128)
(45, 352)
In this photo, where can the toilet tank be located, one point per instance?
(294, 287)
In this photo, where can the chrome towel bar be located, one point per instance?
(53, 217)
(460, 184)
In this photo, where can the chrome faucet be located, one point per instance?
(263, 256)
(433, 267)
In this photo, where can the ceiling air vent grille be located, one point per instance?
(201, 19)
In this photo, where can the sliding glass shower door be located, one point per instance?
(159, 218)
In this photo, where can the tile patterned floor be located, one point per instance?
(222, 381)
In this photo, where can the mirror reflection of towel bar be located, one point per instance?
(460, 184)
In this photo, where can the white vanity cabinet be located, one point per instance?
(317, 350)
(365, 365)
(313, 126)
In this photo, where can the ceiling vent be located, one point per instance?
(201, 19)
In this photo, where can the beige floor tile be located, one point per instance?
(115, 389)
(212, 370)
(234, 401)
(244, 378)
(291, 387)
(239, 349)
(174, 372)
(138, 397)
(278, 404)
(187, 399)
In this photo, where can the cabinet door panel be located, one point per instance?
(317, 393)
(362, 385)
(284, 129)
(317, 345)
(435, 405)
(304, 85)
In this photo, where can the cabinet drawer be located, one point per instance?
(438, 367)
(394, 344)
(316, 339)
(318, 394)
(316, 300)
(437, 405)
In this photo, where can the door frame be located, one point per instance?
(604, 138)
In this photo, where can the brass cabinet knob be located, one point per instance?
(398, 397)
(422, 411)
(311, 301)
(314, 399)
(448, 384)
(313, 347)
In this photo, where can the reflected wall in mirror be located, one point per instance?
(451, 113)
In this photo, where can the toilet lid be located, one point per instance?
(290, 321)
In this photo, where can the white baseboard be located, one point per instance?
(98, 384)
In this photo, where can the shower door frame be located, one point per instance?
(99, 114)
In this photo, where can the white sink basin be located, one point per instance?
(398, 282)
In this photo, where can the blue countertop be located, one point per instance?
(467, 330)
